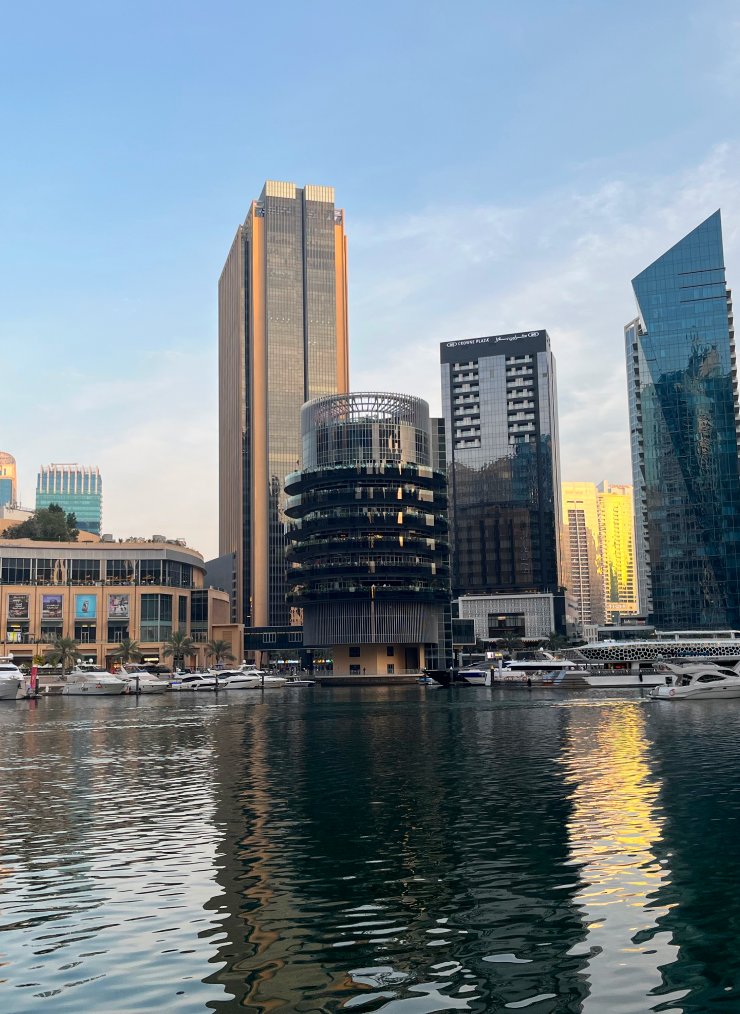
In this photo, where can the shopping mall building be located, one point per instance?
(98, 593)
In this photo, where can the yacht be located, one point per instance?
(11, 679)
(92, 681)
(265, 679)
(141, 681)
(195, 681)
(701, 682)
(237, 679)
(476, 677)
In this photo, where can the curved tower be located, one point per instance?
(368, 556)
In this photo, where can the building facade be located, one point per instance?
(617, 527)
(529, 617)
(684, 424)
(582, 553)
(99, 593)
(499, 402)
(77, 489)
(283, 340)
(8, 481)
(368, 560)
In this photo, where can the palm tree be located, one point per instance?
(128, 651)
(555, 641)
(63, 652)
(178, 645)
(221, 650)
(510, 643)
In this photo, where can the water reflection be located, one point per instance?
(614, 832)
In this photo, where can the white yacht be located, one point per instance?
(141, 681)
(265, 679)
(92, 681)
(195, 681)
(701, 682)
(11, 679)
(237, 679)
(476, 677)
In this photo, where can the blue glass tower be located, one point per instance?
(684, 424)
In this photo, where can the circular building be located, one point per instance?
(368, 553)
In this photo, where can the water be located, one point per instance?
(408, 850)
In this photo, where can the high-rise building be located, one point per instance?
(582, 552)
(500, 408)
(369, 558)
(438, 446)
(8, 480)
(684, 422)
(282, 300)
(77, 489)
(616, 520)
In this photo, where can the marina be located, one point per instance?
(437, 841)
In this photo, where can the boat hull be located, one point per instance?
(707, 693)
(92, 690)
(9, 689)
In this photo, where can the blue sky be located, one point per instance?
(501, 165)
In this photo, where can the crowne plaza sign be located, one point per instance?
(527, 342)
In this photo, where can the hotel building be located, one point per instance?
(684, 424)
(282, 301)
(499, 401)
(8, 480)
(77, 489)
(99, 593)
(616, 521)
(582, 553)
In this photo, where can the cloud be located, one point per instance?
(564, 263)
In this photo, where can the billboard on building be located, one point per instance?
(51, 607)
(86, 607)
(18, 607)
(118, 607)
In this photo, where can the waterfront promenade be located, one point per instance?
(399, 849)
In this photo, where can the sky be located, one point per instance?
(502, 166)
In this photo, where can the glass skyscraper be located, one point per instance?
(499, 402)
(282, 341)
(684, 425)
(78, 489)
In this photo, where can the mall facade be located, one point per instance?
(100, 593)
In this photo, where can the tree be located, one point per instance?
(510, 643)
(221, 650)
(178, 645)
(555, 641)
(63, 652)
(128, 651)
(47, 524)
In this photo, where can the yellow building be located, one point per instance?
(618, 550)
(582, 553)
(8, 480)
(102, 592)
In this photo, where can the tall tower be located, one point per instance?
(583, 551)
(616, 518)
(684, 425)
(283, 339)
(499, 401)
(8, 480)
(78, 489)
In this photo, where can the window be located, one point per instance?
(354, 652)
(390, 651)
(156, 617)
(199, 616)
(50, 571)
(182, 612)
(16, 571)
(117, 632)
(86, 633)
(354, 670)
(391, 668)
(50, 632)
(150, 571)
(711, 678)
(269, 638)
(295, 638)
(85, 571)
(120, 572)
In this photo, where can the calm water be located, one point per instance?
(408, 850)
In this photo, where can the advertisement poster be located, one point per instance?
(51, 607)
(118, 607)
(17, 607)
(85, 607)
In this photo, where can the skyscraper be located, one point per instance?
(282, 301)
(616, 520)
(584, 570)
(684, 422)
(499, 402)
(78, 489)
(8, 480)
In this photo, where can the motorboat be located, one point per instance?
(296, 681)
(11, 679)
(141, 681)
(195, 681)
(702, 682)
(476, 677)
(237, 679)
(265, 680)
(92, 681)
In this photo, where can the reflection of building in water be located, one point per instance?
(361, 834)
(613, 831)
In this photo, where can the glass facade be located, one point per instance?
(170, 573)
(77, 490)
(499, 403)
(684, 422)
(8, 490)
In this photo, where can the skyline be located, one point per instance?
(125, 176)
